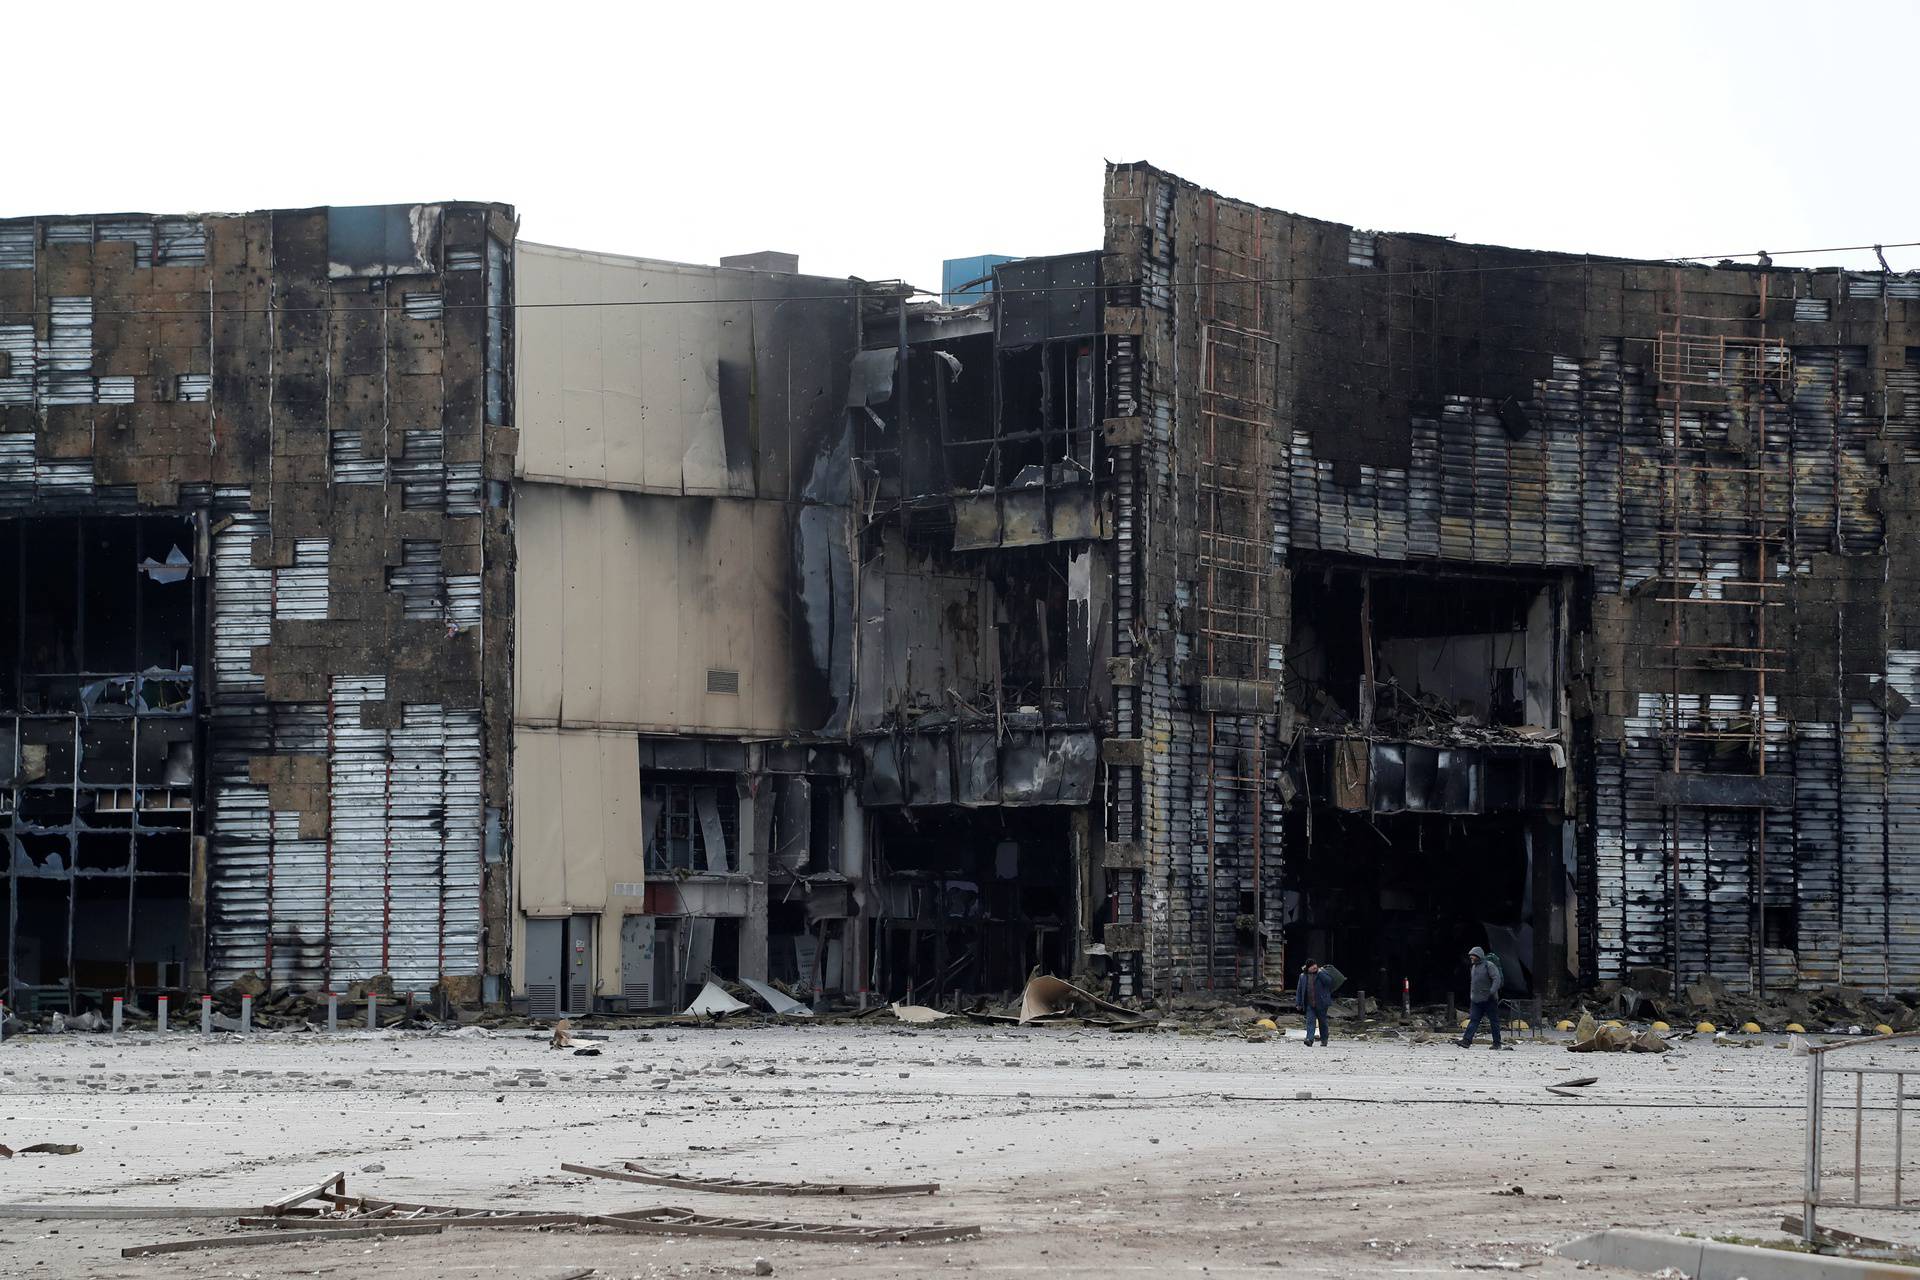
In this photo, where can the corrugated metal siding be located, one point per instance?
(393, 884)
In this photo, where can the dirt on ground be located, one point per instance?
(1078, 1151)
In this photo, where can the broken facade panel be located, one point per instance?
(213, 403)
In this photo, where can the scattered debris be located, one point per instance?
(784, 1005)
(1578, 1082)
(671, 1221)
(1046, 997)
(275, 1237)
(632, 1171)
(918, 1013)
(714, 1003)
(41, 1149)
(327, 1211)
(1613, 1038)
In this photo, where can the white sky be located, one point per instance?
(877, 139)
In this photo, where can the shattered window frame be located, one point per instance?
(675, 839)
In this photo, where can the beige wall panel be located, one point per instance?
(624, 553)
(538, 823)
(625, 600)
(620, 395)
(539, 588)
(576, 815)
(580, 792)
(583, 616)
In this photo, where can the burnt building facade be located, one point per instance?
(1491, 597)
(391, 597)
(253, 523)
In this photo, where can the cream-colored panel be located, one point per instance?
(576, 817)
(616, 394)
(539, 588)
(539, 823)
(583, 632)
(626, 600)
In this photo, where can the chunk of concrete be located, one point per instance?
(1651, 1253)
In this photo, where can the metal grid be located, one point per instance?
(1233, 563)
(1720, 533)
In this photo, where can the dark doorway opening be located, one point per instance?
(972, 900)
(1400, 898)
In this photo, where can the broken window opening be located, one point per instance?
(693, 826)
(1424, 655)
(98, 736)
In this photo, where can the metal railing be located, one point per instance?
(1818, 1072)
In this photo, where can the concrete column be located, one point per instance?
(756, 811)
(853, 865)
(1080, 848)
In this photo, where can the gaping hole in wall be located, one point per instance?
(1426, 772)
(692, 824)
(1428, 652)
(1393, 898)
(99, 733)
(971, 901)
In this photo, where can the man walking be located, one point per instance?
(1313, 997)
(1483, 991)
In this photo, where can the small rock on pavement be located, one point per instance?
(761, 1267)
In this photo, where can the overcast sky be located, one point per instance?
(875, 140)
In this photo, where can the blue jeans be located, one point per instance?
(1313, 1015)
(1490, 1010)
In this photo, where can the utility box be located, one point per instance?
(545, 966)
(638, 935)
(559, 967)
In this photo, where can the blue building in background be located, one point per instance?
(965, 280)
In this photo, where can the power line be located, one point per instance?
(1358, 275)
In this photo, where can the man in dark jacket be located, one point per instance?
(1483, 993)
(1313, 997)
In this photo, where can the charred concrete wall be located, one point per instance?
(324, 392)
(1436, 404)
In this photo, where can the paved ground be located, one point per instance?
(1082, 1152)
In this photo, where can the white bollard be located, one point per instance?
(333, 1011)
(246, 1014)
(160, 1012)
(119, 1003)
(206, 1015)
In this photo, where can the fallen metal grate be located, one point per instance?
(633, 1171)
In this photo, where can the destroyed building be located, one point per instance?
(1493, 597)
(563, 628)
(253, 548)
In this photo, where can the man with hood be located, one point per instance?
(1483, 994)
(1313, 997)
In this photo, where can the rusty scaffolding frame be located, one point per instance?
(1714, 386)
